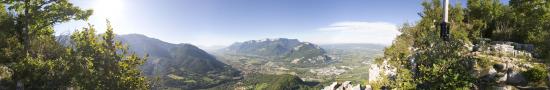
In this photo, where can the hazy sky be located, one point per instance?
(222, 22)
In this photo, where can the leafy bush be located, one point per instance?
(537, 73)
(485, 62)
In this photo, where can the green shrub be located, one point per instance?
(485, 62)
(537, 73)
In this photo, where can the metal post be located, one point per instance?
(445, 23)
(446, 11)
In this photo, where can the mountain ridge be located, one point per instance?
(183, 65)
(290, 50)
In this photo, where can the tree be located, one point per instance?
(483, 15)
(29, 38)
(31, 51)
(531, 18)
(103, 63)
(33, 17)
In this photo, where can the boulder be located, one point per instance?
(331, 86)
(476, 47)
(356, 87)
(368, 87)
(500, 77)
(492, 72)
(515, 78)
(502, 48)
(499, 67)
(345, 86)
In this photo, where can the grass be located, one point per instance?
(261, 86)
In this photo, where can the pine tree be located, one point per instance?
(107, 64)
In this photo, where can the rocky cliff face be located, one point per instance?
(346, 85)
(376, 71)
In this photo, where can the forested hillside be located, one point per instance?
(178, 66)
(493, 45)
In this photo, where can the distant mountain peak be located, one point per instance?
(281, 49)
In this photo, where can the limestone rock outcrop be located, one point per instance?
(346, 85)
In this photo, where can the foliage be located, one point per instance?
(483, 15)
(522, 21)
(537, 73)
(426, 62)
(104, 57)
(30, 51)
(404, 80)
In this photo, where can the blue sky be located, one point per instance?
(222, 22)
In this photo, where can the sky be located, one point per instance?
(222, 22)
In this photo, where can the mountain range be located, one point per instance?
(291, 50)
(185, 66)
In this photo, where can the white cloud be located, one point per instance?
(358, 32)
